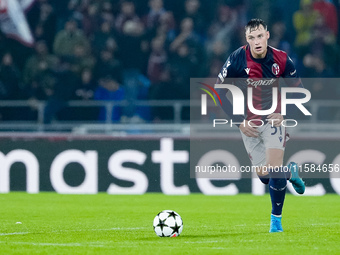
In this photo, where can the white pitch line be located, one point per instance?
(68, 230)
(325, 224)
(96, 229)
(15, 233)
(215, 241)
(55, 244)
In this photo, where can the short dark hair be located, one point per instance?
(254, 24)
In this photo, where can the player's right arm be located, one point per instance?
(227, 75)
(230, 71)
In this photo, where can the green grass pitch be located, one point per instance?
(105, 224)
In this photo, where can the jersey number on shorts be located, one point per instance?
(275, 131)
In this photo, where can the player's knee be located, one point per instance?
(264, 179)
(276, 172)
(274, 163)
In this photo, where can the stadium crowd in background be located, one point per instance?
(149, 49)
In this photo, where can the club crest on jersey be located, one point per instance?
(275, 69)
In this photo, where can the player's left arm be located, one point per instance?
(290, 74)
(292, 79)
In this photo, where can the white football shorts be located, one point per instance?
(269, 138)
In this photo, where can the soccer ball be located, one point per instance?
(168, 223)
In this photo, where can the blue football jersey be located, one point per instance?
(261, 75)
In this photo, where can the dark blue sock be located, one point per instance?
(277, 189)
(264, 179)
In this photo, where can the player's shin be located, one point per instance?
(277, 189)
(263, 174)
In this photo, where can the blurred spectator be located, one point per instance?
(304, 21)
(138, 43)
(3, 44)
(127, 13)
(90, 21)
(102, 39)
(61, 10)
(130, 45)
(10, 88)
(62, 91)
(166, 27)
(218, 53)
(187, 45)
(329, 13)
(109, 89)
(66, 40)
(183, 66)
(163, 89)
(323, 44)
(106, 14)
(278, 35)
(133, 57)
(193, 11)
(315, 67)
(44, 22)
(157, 60)
(73, 9)
(156, 12)
(141, 113)
(186, 35)
(9, 78)
(81, 59)
(107, 64)
(85, 89)
(112, 45)
(42, 86)
(38, 63)
(259, 9)
(222, 30)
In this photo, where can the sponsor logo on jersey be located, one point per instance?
(256, 83)
(275, 69)
(292, 73)
(247, 70)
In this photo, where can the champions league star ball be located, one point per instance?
(168, 224)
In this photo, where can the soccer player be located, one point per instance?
(260, 66)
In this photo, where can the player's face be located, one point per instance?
(258, 41)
